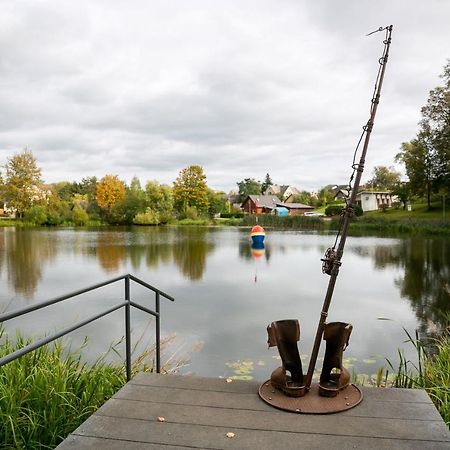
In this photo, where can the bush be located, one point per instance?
(36, 215)
(79, 216)
(53, 218)
(333, 210)
(358, 211)
(231, 215)
(150, 217)
(191, 213)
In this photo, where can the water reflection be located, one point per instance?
(424, 267)
(189, 252)
(419, 268)
(426, 271)
(111, 250)
(245, 250)
(24, 254)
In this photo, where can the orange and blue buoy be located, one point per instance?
(258, 234)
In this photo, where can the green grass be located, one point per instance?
(197, 222)
(46, 394)
(418, 211)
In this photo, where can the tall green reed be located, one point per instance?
(47, 393)
(431, 371)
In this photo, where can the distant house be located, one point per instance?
(284, 191)
(371, 200)
(340, 191)
(268, 204)
(259, 204)
(297, 209)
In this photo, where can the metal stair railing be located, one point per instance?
(127, 303)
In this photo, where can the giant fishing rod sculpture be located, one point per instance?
(288, 388)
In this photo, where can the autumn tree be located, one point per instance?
(22, 182)
(110, 192)
(190, 190)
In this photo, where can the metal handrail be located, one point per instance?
(127, 303)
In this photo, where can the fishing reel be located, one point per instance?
(329, 260)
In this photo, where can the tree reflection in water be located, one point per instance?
(25, 253)
(190, 250)
(425, 263)
(111, 250)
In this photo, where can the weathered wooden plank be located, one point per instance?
(92, 443)
(211, 437)
(251, 401)
(194, 382)
(248, 387)
(275, 420)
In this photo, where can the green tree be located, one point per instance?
(418, 156)
(403, 191)
(248, 186)
(190, 190)
(217, 202)
(266, 183)
(22, 185)
(160, 199)
(134, 201)
(436, 122)
(304, 197)
(325, 196)
(384, 177)
(427, 157)
(88, 186)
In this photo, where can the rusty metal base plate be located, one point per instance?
(311, 402)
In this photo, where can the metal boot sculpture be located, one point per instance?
(334, 377)
(285, 334)
(323, 397)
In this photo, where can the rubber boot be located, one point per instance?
(285, 334)
(334, 376)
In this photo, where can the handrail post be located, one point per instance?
(127, 328)
(158, 334)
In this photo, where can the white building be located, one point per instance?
(371, 200)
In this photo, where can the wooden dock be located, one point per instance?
(199, 412)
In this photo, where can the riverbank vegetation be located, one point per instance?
(48, 393)
(431, 371)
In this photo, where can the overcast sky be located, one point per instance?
(241, 87)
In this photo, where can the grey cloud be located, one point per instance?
(248, 88)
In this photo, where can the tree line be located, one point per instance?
(108, 200)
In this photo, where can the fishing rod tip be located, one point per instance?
(388, 28)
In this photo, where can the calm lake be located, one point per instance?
(225, 296)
